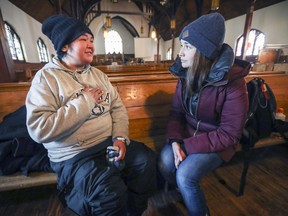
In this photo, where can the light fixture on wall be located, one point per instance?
(141, 28)
(105, 32)
(172, 23)
(215, 5)
(114, 1)
(108, 21)
(153, 33)
(162, 2)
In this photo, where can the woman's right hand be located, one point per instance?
(179, 155)
(96, 93)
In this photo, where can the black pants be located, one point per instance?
(93, 187)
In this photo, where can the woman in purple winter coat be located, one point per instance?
(208, 111)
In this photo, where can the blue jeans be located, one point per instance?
(188, 176)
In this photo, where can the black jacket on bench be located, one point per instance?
(18, 152)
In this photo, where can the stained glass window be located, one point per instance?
(169, 54)
(113, 43)
(42, 50)
(14, 43)
(255, 43)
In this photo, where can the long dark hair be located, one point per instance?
(165, 204)
(197, 73)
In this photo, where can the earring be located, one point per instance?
(65, 48)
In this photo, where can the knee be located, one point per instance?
(98, 193)
(185, 177)
(166, 158)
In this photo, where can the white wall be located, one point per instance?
(28, 29)
(273, 21)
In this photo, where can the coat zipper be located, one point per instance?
(197, 128)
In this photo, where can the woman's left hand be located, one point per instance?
(179, 155)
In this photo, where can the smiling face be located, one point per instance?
(79, 53)
(186, 53)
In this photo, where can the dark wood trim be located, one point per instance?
(7, 73)
(247, 28)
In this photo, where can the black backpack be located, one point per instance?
(261, 115)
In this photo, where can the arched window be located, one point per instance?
(14, 43)
(113, 43)
(255, 44)
(169, 54)
(42, 50)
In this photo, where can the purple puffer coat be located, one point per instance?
(214, 120)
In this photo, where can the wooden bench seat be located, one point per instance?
(147, 101)
(19, 181)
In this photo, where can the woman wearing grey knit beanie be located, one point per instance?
(208, 110)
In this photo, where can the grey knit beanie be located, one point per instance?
(206, 33)
(63, 30)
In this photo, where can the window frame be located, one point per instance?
(250, 57)
(12, 36)
(107, 50)
(169, 54)
(42, 51)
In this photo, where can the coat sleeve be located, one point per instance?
(231, 124)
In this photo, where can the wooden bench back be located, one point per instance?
(12, 96)
(147, 104)
(147, 99)
(279, 86)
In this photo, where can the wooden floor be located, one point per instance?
(266, 192)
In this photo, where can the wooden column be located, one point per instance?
(199, 4)
(247, 28)
(173, 45)
(158, 46)
(7, 73)
(59, 7)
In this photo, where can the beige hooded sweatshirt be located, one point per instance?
(66, 119)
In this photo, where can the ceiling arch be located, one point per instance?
(184, 11)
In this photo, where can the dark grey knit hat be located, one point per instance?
(63, 30)
(206, 33)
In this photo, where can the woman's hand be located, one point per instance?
(122, 149)
(179, 155)
(96, 93)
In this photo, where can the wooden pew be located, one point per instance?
(279, 85)
(136, 73)
(147, 115)
(132, 68)
(26, 71)
(148, 105)
(147, 100)
(263, 73)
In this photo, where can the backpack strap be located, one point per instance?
(252, 86)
